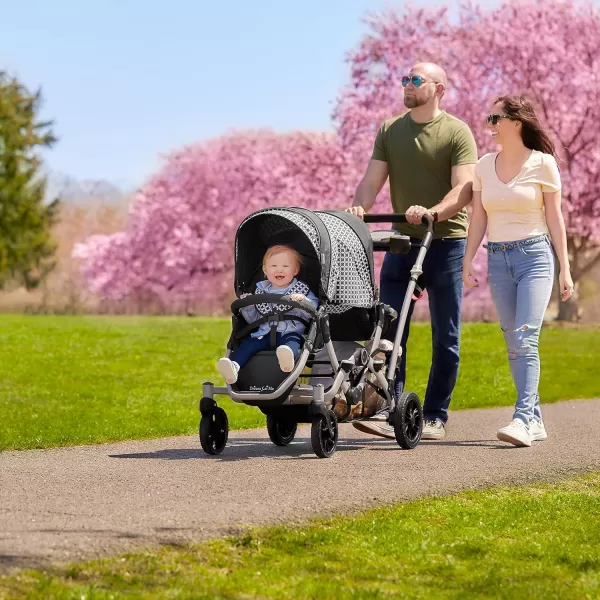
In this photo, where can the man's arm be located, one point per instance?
(454, 201)
(369, 187)
(460, 195)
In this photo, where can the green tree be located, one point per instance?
(26, 245)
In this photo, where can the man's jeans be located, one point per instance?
(442, 277)
(521, 277)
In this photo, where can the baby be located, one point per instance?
(281, 264)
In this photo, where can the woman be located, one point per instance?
(516, 197)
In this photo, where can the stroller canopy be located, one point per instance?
(336, 248)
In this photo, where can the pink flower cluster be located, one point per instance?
(179, 241)
(545, 49)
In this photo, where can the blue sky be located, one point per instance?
(126, 80)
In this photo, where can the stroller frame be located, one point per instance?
(310, 404)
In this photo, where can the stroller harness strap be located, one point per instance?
(269, 318)
(298, 288)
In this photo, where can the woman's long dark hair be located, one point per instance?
(519, 108)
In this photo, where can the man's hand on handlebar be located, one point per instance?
(358, 211)
(415, 214)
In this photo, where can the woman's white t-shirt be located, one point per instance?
(515, 209)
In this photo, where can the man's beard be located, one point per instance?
(413, 101)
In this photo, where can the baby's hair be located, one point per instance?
(278, 249)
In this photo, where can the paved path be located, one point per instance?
(70, 504)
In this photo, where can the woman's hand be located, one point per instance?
(468, 275)
(566, 285)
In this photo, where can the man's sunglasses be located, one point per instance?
(416, 80)
(495, 119)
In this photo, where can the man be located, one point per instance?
(429, 157)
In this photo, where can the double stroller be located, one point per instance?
(337, 251)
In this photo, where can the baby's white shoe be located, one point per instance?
(285, 356)
(229, 369)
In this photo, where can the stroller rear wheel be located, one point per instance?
(281, 432)
(407, 419)
(322, 440)
(214, 431)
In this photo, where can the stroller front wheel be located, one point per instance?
(323, 441)
(214, 431)
(408, 420)
(281, 432)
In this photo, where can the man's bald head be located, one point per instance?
(432, 88)
(431, 71)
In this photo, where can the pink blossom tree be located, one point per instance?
(546, 49)
(178, 245)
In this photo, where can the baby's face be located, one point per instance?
(281, 268)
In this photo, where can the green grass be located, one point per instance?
(539, 541)
(81, 380)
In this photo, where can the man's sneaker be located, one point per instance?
(516, 433)
(383, 415)
(228, 369)
(378, 429)
(285, 356)
(537, 431)
(433, 429)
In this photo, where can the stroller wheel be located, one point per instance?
(408, 420)
(323, 443)
(214, 431)
(281, 432)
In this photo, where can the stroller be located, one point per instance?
(337, 251)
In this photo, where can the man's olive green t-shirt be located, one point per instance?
(420, 157)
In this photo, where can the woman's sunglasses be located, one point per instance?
(416, 80)
(495, 119)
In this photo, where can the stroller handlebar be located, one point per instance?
(397, 218)
(305, 304)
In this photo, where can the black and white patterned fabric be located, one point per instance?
(298, 288)
(279, 225)
(349, 282)
(351, 276)
(283, 220)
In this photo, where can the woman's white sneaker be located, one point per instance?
(537, 431)
(515, 433)
(285, 356)
(229, 370)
